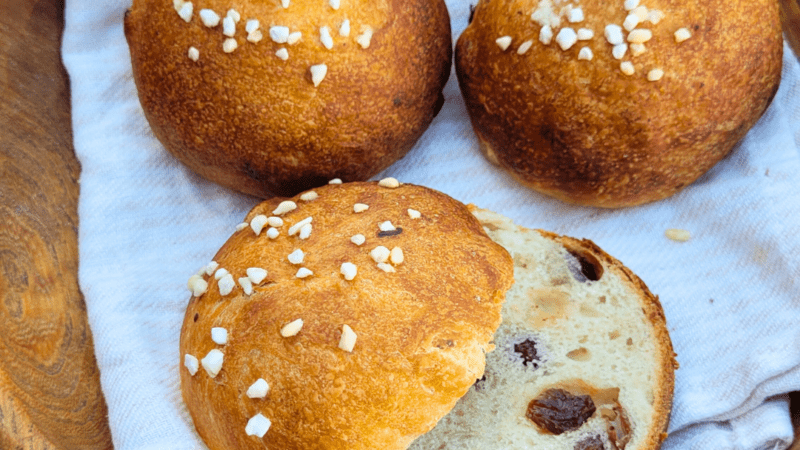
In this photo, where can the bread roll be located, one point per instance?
(294, 92)
(361, 342)
(576, 323)
(576, 117)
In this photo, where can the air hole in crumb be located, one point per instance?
(196, 316)
(479, 383)
(584, 266)
(629, 341)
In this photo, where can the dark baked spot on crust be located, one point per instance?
(196, 316)
(388, 233)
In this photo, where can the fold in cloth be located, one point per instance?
(730, 294)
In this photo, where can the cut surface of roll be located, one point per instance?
(354, 317)
(583, 359)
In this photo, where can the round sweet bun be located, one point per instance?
(379, 358)
(576, 324)
(263, 125)
(571, 124)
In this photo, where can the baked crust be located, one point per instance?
(584, 132)
(255, 123)
(422, 331)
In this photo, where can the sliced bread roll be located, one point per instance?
(583, 359)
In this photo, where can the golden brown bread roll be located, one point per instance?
(382, 352)
(266, 107)
(574, 116)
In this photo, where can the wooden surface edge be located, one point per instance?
(50, 395)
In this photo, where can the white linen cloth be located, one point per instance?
(731, 294)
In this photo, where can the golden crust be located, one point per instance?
(255, 123)
(584, 132)
(663, 383)
(422, 331)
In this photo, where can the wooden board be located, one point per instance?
(50, 394)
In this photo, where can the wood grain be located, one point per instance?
(50, 394)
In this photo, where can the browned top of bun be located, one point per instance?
(422, 330)
(256, 123)
(582, 130)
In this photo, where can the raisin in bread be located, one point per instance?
(583, 359)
